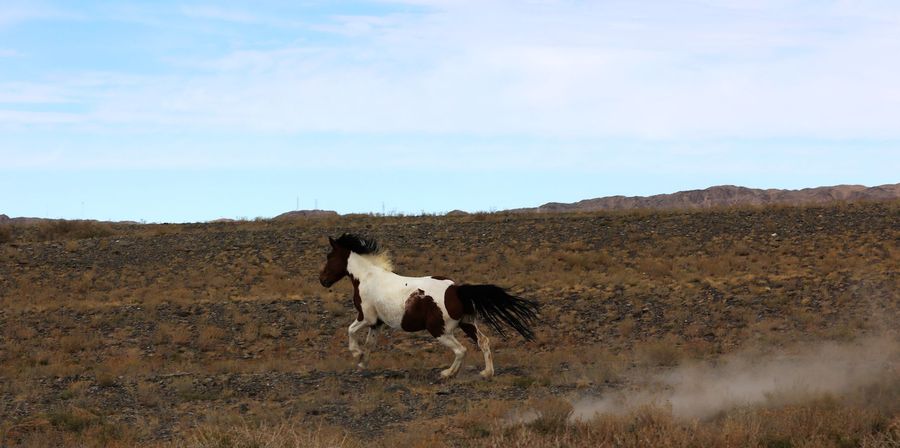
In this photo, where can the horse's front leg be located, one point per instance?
(354, 343)
(371, 339)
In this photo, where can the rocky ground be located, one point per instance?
(148, 334)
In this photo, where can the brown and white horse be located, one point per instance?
(434, 304)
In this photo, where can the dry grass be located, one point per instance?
(219, 334)
(664, 353)
(246, 435)
(824, 423)
(62, 230)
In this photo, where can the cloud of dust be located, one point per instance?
(702, 389)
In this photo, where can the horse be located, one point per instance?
(434, 304)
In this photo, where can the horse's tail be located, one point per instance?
(495, 306)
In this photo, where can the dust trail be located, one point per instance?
(702, 390)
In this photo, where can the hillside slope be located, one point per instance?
(727, 195)
(197, 334)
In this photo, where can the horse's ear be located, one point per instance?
(331, 241)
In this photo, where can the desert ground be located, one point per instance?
(754, 326)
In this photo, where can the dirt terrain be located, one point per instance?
(219, 334)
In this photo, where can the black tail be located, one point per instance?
(496, 307)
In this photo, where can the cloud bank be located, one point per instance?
(669, 70)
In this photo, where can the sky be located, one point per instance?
(171, 111)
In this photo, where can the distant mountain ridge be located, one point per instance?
(305, 214)
(718, 196)
(725, 195)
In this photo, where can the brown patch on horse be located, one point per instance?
(456, 308)
(335, 265)
(452, 303)
(422, 314)
(470, 331)
(357, 300)
(440, 277)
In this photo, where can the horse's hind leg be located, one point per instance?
(459, 351)
(484, 343)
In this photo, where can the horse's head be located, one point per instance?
(335, 264)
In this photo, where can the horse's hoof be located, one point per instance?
(447, 374)
(487, 374)
(362, 366)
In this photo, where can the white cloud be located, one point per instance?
(16, 118)
(14, 12)
(238, 15)
(359, 25)
(640, 70)
(32, 93)
(219, 13)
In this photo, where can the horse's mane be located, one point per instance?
(358, 244)
(367, 247)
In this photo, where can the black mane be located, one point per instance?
(357, 244)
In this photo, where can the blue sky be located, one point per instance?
(190, 111)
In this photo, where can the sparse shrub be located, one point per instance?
(626, 327)
(210, 337)
(337, 307)
(250, 332)
(269, 331)
(76, 389)
(655, 267)
(65, 229)
(19, 331)
(597, 365)
(659, 353)
(283, 435)
(72, 419)
(480, 420)
(148, 394)
(776, 442)
(172, 334)
(6, 234)
(186, 389)
(78, 341)
(523, 381)
(552, 416)
(106, 378)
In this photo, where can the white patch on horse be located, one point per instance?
(384, 294)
